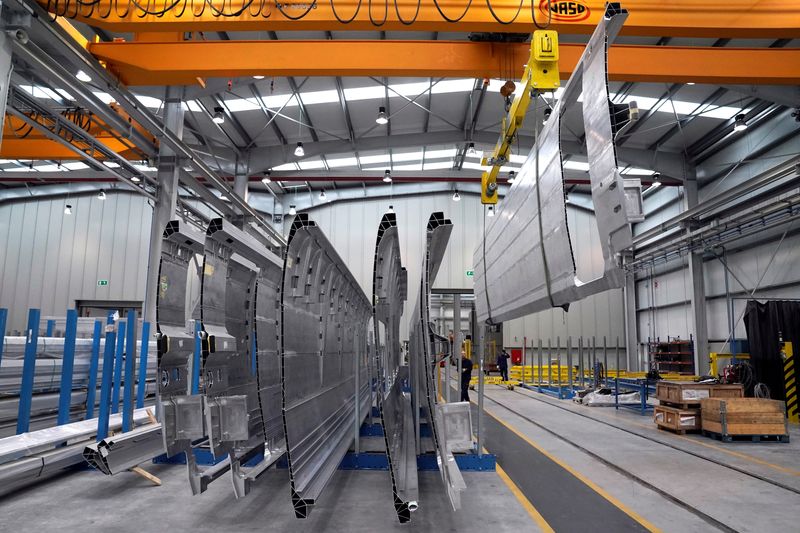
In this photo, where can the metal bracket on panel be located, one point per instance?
(183, 418)
(227, 419)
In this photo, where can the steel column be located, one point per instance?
(28, 369)
(107, 379)
(130, 369)
(3, 319)
(91, 386)
(141, 389)
(67, 363)
(631, 321)
(166, 197)
(5, 70)
(118, 360)
(698, 294)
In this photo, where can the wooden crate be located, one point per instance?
(744, 417)
(678, 420)
(688, 394)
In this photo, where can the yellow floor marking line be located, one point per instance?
(536, 515)
(740, 455)
(588, 482)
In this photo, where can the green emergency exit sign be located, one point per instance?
(470, 273)
(102, 282)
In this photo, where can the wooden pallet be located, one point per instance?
(746, 438)
(749, 419)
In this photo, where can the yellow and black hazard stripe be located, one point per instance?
(790, 382)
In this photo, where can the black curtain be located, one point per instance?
(764, 323)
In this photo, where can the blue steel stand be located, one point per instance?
(118, 367)
(67, 364)
(141, 388)
(130, 369)
(3, 318)
(51, 326)
(91, 385)
(28, 369)
(106, 384)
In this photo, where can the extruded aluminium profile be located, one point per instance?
(237, 268)
(389, 293)
(122, 452)
(525, 263)
(324, 371)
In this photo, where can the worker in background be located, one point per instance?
(466, 375)
(502, 364)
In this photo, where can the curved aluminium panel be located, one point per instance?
(324, 321)
(427, 348)
(525, 263)
(182, 414)
(389, 293)
(238, 272)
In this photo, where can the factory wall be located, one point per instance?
(352, 228)
(50, 259)
(663, 294)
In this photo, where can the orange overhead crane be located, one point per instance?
(145, 62)
(23, 142)
(671, 18)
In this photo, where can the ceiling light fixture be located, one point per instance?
(391, 209)
(322, 194)
(740, 124)
(456, 196)
(382, 118)
(471, 149)
(511, 176)
(292, 211)
(387, 176)
(67, 209)
(266, 179)
(258, 77)
(547, 113)
(299, 151)
(690, 83)
(101, 195)
(82, 76)
(218, 117)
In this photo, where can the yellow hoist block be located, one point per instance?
(541, 75)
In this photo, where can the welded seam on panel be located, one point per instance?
(509, 262)
(181, 411)
(389, 293)
(318, 372)
(234, 264)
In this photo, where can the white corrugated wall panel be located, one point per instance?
(51, 259)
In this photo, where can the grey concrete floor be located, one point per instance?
(735, 499)
(355, 501)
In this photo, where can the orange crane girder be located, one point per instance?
(182, 63)
(673, 18)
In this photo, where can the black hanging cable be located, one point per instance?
(400, 18)
(385, 13)
(448, 19)
(346, 21)
(498, 19)
(549, 15)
